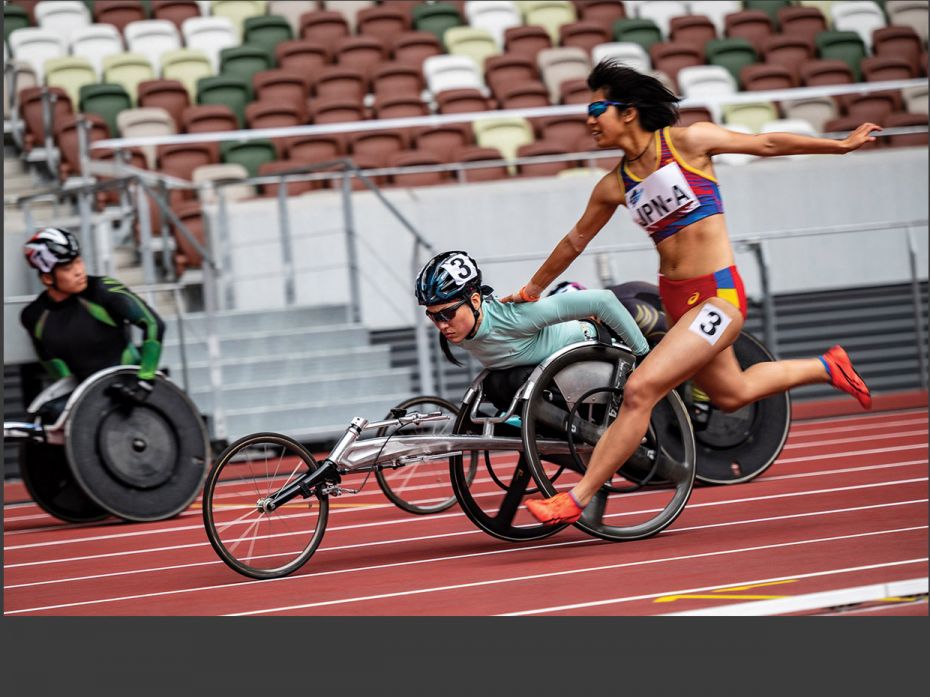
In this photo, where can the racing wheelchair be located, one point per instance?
(100, 456)
(516, 433)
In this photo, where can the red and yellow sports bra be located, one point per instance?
(673, 196)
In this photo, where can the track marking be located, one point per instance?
(843, 441)
(860, 427)
(672, 598)
(218, 562)
(474, 584)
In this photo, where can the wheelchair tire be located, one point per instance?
(259, 544)
(493, 500)
(739, 446)
(423, 488)
(49, 480)
(668, 455)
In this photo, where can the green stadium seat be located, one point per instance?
(846, 46)
(237, 11)
(770, 7)
(105, 100)
(644, 32)
(250, 154)
(267, 32)
(233, 92)
(733, 54)
(244, 61)
(14, 17)
(436, 18)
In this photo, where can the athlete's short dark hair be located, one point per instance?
(657, 106)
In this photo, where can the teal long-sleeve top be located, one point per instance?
(512, 334)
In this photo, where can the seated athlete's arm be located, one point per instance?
(601, 304)
(55, 367)
(711, 139)
(122, 303)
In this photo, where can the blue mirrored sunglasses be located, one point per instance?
(447, 314)
(595, 109)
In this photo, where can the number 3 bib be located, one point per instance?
(659, 195)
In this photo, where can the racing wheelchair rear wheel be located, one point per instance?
(579, 392)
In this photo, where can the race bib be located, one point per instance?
(659, 195)
(461, 268)
(710, 323)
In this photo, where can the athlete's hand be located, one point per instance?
(860, 137)
(133, 391)
(521, 296)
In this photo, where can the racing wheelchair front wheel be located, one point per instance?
(423, 487)
(579, 393)
(254, 542)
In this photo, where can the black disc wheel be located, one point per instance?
(251, 540)
(49, 480)
(581, 388)
(739, 446)
(493, 497)
(423, 487)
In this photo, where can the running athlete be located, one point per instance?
(505, 336)
(668, 184)
(80, 323)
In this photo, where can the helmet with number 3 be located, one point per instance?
(446, 277)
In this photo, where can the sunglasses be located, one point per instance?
(447, 314)
(595, 109)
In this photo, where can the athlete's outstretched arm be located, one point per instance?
(126, 305)
(601, 206)
(714, 140)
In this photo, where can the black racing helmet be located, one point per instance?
(449, 276)
(50, 247)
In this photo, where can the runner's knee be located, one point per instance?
(640, 392)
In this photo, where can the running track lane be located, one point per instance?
(844, 506)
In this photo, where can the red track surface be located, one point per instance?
(844, 506)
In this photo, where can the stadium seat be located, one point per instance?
(627, 52)
(417, 158)
(559, 64)
(641, 31)
(802, 22)
(70, 74)
(376, 145)
(324, 27)
(766, 76)
(301, 57)
(752, 25)
(62, 17)
(493, 16)
(471, 154)
(151, 38)
(565, 130)
(128, 70)
(526, 41)
(183, 157)
(319, 148)
(701, 81)
(223, 172)
(901, 120)
(170, 95)
(338, 81)
(860, 17)
(732, 54)
(233, 92)
(186, 255)
(293, 188)
(909, 13)
(822, 5)
(31, 109)
(187, 66)
(397, 107)
(34, 45)
(584, 35)
(118, 14)
(106, 101)
(14, 17)
(209, 118)
(508, 69)
(283, 87)
(396, 78)
(362, 53)
(901, 42)
(694, 114)
(751, 115)
(383, 22)
(461, 101)
(504, 134)
(348, 9)
(20, 76)
(714, 10)
(476, 44)
(268, 114)
(915, 99)
(523, 95)
(95, 41)
(243, 62)
(846, 46)
(789, 52)
(671, 57)
(879, 68)
(443, 141)
(770, 7)
(661, 13)
(542, 169)
(826, 72)
(174, 12)
(211, 35)
(336, 110)
(548, 14)
(143, 122)
(290, 11)
(605, 12)
(267, 32)
(236, 11)
(67, 140)
(815, 110)
(691, 29)
(436, 18)
(446, 72)
(251, 154)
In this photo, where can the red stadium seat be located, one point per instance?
(788, 51)
(175, 11)
(526, 40)
(880, 68)
(170, 95)
(414, 47)
(477, 154)
(753, 25)
(324, 27)
(542, 169)
(803, 22)
(417, 158)
(397, 79)
(294, 188)
(899, 42)
(766, 76)
(443, 141)
(904, 119)
(691, 29)
(383, 22)
(826, 72)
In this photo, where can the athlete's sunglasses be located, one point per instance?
(447, 314)
(597, 108)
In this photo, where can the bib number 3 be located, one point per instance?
(710, 323)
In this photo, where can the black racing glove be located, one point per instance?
(133, 391)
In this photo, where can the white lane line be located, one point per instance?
(217, 562)
(811, 601)
(700, 589)
(855, 439)
(865, 416)
(845, 470)
(491, 582)
(805, 432)
(852, 453)
(414, 519)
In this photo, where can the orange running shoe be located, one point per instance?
(559, 510)
(844, 377)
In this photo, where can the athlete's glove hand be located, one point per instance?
(133, 391)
